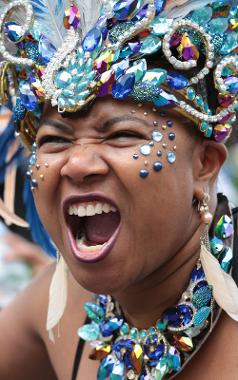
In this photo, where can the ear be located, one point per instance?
(208, 159)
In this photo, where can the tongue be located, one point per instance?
(99, 228)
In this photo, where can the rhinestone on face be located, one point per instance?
(157, 136)
(145, 149)
(171, 157)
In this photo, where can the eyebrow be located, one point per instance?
(107, 125)
(56, 124)
(103, 128)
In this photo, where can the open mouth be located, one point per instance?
(93, 227)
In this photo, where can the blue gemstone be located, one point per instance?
(159, 5)
(177, 81)
(123, 343)
(27, 96)
(144, 173)
(124, 86)
(171, 136)
(13, 31)
(92, 39)
(28, 175)
(102, 299)
(226, 259)
(124, 8)
(202, 297)
(19, 110)
(197, 274)
(120, 68)
(157, 353)
(141, 14)
(174, 359)
(218, 25)
(200, 285)
(157, 166)
(186, 313)
(34, 183)
(109, 327)
(172, 317)
(46, 49)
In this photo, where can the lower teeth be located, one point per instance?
(81, 244)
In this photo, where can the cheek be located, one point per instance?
(46, 172)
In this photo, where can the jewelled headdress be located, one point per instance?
(71, 52)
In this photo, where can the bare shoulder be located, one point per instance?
(24, 337)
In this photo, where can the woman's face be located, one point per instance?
(96, 164)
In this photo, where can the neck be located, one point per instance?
(144, 303)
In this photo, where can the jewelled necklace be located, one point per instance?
(160, 351)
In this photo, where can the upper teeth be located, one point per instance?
(90, 209)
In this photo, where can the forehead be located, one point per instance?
(107, 108)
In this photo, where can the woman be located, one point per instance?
(127, 191)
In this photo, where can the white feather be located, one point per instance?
(224, 287)
(181, 8)
(90, 12)
(57, 297)
(50, 14)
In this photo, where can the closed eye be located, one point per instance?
(51, 139)
(126, 134)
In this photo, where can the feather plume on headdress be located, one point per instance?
(90, 12)
(51, 14)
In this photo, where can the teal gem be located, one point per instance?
(150, 45)
(203, 126)
(161, 370)
(209, 131)
(61, 102)
(174, 359)
(226, 71)
(201, 316)
(161, 325)
(71, 102)
(89, 66)
(217, 245)
(124, 330)
(89, 77)
(134, 333)
(164, 99)
(202, 15)
(83, 95)
(89, 332)
(138, 69)
(77, 78)
(199, 100)
(230, 43)
(68, 93)
(81, 86)
(218, 25)
(143, 334)
(144, 91)
(191, 93)
(226, 259)
(160, 26)
(106, 367)
(94, 311)
(63, 79)
(118, 372)
(202, 297)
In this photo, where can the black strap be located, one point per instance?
(78, 354)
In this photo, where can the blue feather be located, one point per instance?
(38, 232)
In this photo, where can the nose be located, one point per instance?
(84, 162)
